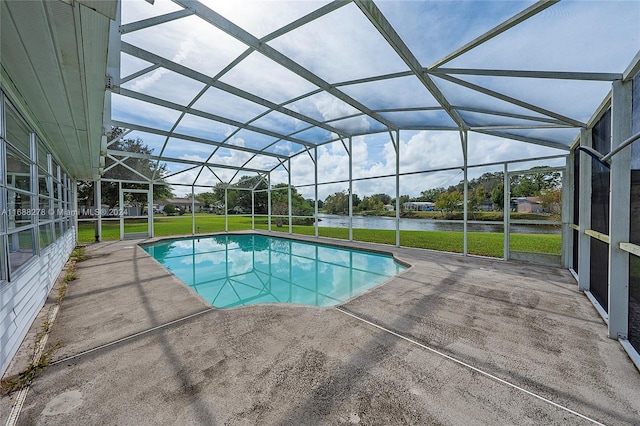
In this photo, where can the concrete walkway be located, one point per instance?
(454, 340)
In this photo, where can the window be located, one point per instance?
(19, 193)
(46, 235)
(18, 133)
(18, 170)
(34, 193)
(21, 248)
(19, 211)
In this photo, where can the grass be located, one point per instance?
(33, 370)
(458, 215)
(479, 243)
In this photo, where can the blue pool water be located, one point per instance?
(237, 270)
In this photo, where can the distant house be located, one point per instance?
(486, 206)
(419, 206)
(183, 204)
(389, 207)
(526, 205)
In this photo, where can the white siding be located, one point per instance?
(23, 297)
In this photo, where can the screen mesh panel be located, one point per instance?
(600, 212)
(634, 225)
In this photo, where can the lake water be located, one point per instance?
(380, 222)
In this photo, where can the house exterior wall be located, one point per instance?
(37, 225)
(419, 205)
(529, 208)
(22, 298)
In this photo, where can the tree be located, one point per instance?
(243, 197)
(170, 209)
(208, 199)
(145, 168)
(449, 201)
(532, 184)
(237, 198)
(431, 194)
(497, 196)
(280, 204)
(487, 180)
(551, 200)
(381, 198)
(337, 203)
(479, 196)
(370, 204)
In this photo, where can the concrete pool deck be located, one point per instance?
(454, 340)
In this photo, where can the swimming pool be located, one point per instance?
(237, 270)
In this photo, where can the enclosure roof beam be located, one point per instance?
(542, 142)
(512, 100)
(511, 115)
(520, 127)
(420, 127)
(165, 133)
(181, 171)
(179, 160)
(156, 20)
(240, 34)
(559, 75)
(177, 107)
(387, 31)
(310, 17)
(203, 78)
(509, 23)
(632, 69)
(375, 78)
(138, 73)
(120, 161)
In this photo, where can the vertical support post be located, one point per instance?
(193, 212)
(584, 249)
(269, 202)
(350, 189)
(289, 196)
(33, 179)
(253, 209)
(121, 209)
(3, 201)
(97, 195)
(567, 212)
(506, 210)
(619, 211)
(226, 208)
(315, 186)
(74, 207)
(397, 219)
(465, 212)
(150, 210)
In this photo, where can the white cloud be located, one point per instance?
(331, 107)
(142, 83)
(580, 36)
(350, 49)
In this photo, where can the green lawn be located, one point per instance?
(479, 243)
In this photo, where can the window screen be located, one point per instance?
(634, 225)
(599, 265)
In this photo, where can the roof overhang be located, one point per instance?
(53, 66)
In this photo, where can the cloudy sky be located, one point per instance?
(343, 46)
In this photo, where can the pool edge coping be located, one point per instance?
(331, 242)
(334, 242)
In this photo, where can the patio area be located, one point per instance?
(453, 340)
